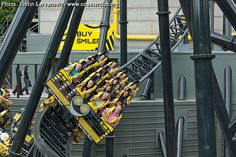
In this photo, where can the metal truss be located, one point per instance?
(53, 132)
(147, 61)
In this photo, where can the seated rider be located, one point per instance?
(101, 60)
(76, 69)
(105, 88)
(134, 89)
(4, 99)
(86, 87)
(72, 71)
(125, 97)
(112, 115)
(123, 78)
(113, 68)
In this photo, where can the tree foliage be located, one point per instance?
(7, 9)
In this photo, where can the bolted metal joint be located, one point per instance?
(202, 57)
(160, 13)
(105, 25)
(123, 22)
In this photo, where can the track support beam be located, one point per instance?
(73, 28)
(42, 77)
(104, 26)
(163, 12)
(203, 78)
(123, 32)
(15, 34)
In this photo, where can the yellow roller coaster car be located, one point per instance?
(72, 96)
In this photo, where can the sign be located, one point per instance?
(87, 38)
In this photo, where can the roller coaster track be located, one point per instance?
(149, 59)
(53, 129)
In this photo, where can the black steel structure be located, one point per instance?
(54, 142)
(228, 96)
(104, 26)
(229, 10)
(42, 77)
(123, 32)
(177, 27)
(14, 36)
(203, 77)
(226, 42)
(163, 12)
(226, 27)
(70, 37)
(228, 126)
(149, 59)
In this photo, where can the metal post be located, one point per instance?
(228, 96)
(227, 127)
(212, 16)
(226, 42)
(88, 148)
(203, 78)
(110, 145)
(123, 32)
(181, 87)
(42, 77)
(73, 28)
(228, 88)
(226, 27)
(35, 72)
(104, 26)
(146, 91)
(162, 143)
(218, 101)
(14, 37)
(186, 7)
(180, 134)
(18, 81)
(163, 12)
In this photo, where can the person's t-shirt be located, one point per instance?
(74, 72)
(112, 116)
(99, 102)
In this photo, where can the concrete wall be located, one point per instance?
(137, 133)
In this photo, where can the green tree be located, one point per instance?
(7, 9)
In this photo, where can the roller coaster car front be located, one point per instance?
(91, 124)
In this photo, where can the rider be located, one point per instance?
(4, 99)
(112, 115)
